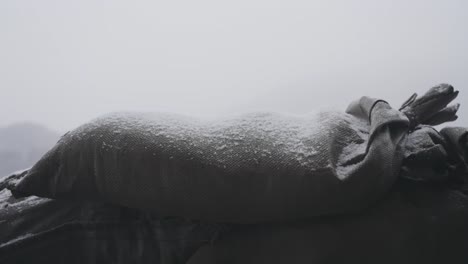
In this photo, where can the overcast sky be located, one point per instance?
(65, 62)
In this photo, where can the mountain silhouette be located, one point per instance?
(22, 144)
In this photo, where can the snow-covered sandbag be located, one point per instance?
(254, 168)
(258, 167)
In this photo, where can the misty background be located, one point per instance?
(63, 63)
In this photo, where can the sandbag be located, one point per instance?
(40, 230)
(415, 223)
(426, 156)
(254, 168)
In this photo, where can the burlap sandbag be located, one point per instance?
(45, 231)
(258, 167)
(414, 223)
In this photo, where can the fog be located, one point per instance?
(65, 62)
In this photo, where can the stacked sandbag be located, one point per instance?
(39, 230)
(254, 168)
(415, 223)
(421, 220)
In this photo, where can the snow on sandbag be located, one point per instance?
(254, 168)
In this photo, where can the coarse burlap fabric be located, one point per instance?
(39, 230)
(255, 168)
(421, 220)
(414, 223)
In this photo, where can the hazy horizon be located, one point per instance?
(63, 63)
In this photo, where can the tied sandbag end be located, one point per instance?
(12, 180)
(431, 108)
